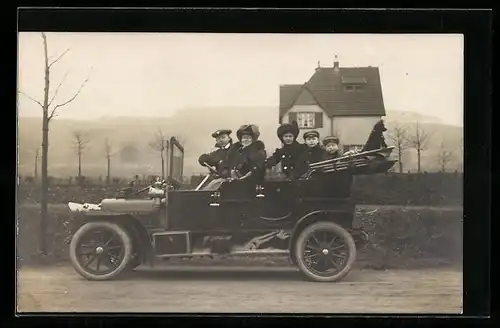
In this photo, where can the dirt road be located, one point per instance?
(216, 289)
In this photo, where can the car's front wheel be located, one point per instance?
(325, 252)
(100, 250)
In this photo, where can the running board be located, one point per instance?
(234, 253)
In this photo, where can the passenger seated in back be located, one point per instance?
(332, 150)
(312, 153)
(290, 150)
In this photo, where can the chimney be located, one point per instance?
(319, 66)
(336, 63)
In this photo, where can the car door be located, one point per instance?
(236, 203)
(278, 200)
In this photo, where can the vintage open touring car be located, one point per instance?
(309, 219)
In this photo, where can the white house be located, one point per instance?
(341, 101)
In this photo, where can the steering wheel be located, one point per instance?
(213, 171)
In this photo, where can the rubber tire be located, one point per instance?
(126, 240)
(341, 232)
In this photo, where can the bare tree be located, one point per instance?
(444, 157)
(37, 156)
(108, 149)
(49, 111)
(80, 144)
(419, 141)
(398, 136)
(160, 144)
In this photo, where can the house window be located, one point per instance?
(353, 87)
(306, 120)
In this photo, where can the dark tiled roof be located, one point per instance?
(326, 87)
(288, 94)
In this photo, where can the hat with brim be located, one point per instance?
(331, 139)
(221, 132)
(248, 129)
(310, 134)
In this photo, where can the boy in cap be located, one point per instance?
(331, 144)
(312, 153)
(290, 151)
(216, 157)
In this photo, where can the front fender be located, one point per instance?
(140, 236)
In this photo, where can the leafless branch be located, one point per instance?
(54, 113)
(159, 142)
(80, 142)
(57, 88)
(399, 137)
(108, 148)
(420, 139)
(444, 157)
(58, 58)
(31, 98)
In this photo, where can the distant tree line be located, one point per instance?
(416, 139)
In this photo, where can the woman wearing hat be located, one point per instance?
(331, 144)
(246, 158)
(290, 150)
(216, 157)
(312, 153)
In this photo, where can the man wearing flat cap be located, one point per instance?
(312, 153)
(331, 144)
(216, 157)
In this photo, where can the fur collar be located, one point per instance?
(257, 145)
(293, 145)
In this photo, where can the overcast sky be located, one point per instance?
(158, 73)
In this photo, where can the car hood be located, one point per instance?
(117, 206)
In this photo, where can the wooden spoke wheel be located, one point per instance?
(100, 250)
(325, 252)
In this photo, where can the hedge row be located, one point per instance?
(398, 237)
(431, 189)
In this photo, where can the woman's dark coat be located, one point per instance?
(244, 160)
(288, 156)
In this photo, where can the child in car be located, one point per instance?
(312, 153)
(290, 151)
(331, 145)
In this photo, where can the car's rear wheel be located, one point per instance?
(100, 250)
(325, 252)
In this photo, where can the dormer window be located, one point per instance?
(353, 83)
(353, 87)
